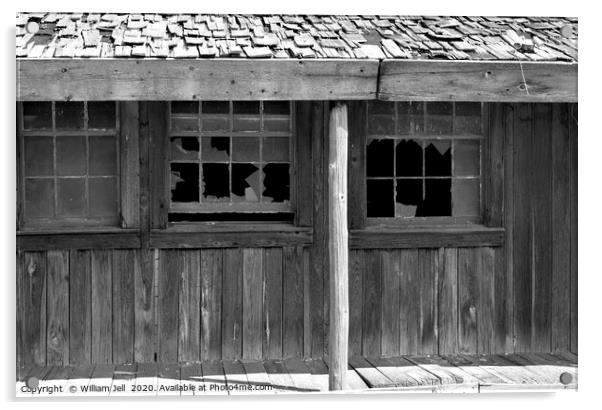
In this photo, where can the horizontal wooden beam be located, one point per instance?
(429, 80)
(83, 240)
(209, 79)
(243, 238)
(425, 238)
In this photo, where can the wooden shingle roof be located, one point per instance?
(200, 36)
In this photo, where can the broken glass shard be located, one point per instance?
(215, 149)
(437, 158)
(407, 197)
(184, 182)
(276, 183)
(437, 198)
(245, 183)
(216, 182)
(185, 148)
(408, 160)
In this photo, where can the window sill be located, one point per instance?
(222, 235)
(78, 238)
(382, 237)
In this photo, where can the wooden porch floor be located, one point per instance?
(458, 373)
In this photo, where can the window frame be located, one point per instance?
(126, 134)
(429, 221)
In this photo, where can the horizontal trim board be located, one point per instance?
(423, 80)
(216, 239)
(80, 240)
(425, 238)
(209, 79)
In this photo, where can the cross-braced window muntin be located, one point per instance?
(423, 161)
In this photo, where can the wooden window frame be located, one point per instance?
(126, 133)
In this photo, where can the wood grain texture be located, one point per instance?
(211, 303)
(406, 80)
(448, 303)
(430, 263)
(486, 300)
(409, 301)
(372, 309)
(31, 312)
(80, 308)
(123, 305)
(145, 335)
(493, 166)
(303, 170)
(356, 180)
(57, 310)
(170, 274)
(130, 164)
(208, 79)
(292, 302)
(390, 320)
(272, 303)
(189, 313)
(60, 241)
(102, 318)
(573, 129)
(252, 306)
(158, 149)
(171, 240)
(232, 304)
(356, 296)
(468, 271)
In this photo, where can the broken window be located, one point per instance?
(423, 160)
(69, 154)
(230, 159)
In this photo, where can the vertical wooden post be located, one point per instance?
(338, 247)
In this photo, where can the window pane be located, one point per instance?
(408, 161)
(185, 148)
(184, 182)
(276, 123)
(245, 123)
(184, 122)
(38, 156)
(381, 119)
(437, 200)
(276, 183)
(468, 118)
(216, 107)
(71, 155)
(246, 107)
(466, 197)
(101, 114)
(185, 107)
(103, 155)
(437, 158)
(37, 115)
(439, 118)
(466, 157)
(381, 203)
(245, 149)
(216, 183)
(69, 115)
(103, 196)
(215, 122)
(379, 161)
(245, 183)
(71, 197)
(276, 107)
(408, 197)
(410, 118)
(39, 198)
(215, 149)
(275, 149)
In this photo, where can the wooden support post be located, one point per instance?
(338, 248)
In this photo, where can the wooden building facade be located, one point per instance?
(472, 248)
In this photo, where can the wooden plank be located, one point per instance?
(468, 270)
(413, 238)
(232, 304)
(561, 229)
(409, 303)
(158, 149)
(57, 310)
(448, 374)
(485, 299)
(102, 330)
(102, 380)
(146, 379)
(272, 303)
(256, 376)
(170, 239)
(504, 368)
(574, 225)
(252, 305)
(168, 282)
(144, 305)
(214, 379)
(307, 334)
(80, 308)
(301, 375)
(484, 375)
(189, 319)
(408, 370)
(338, 251)
(31, 313)
(522, 227)
(502, 303)
(209, 79)
(124, 380)
(168, 379)
(390, 344)
(541, 165)
(319, 374)
(130, 164)
(494, 161)
(545, 374)
(430, 261)
(448, 303)
(356, 181)
(80, 377)
(236, 377)
(279, 378)
(191, 375)
(371, 375)
(58, 241)
(123, 305)
(397, 372)
(356, 273)
(303, 156)
(414, 80)
(292, 323)
(211, 302)
(371, 325)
